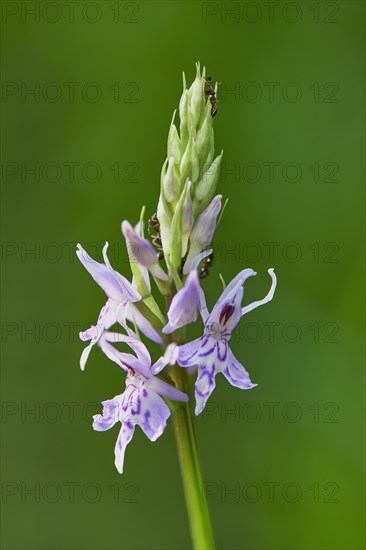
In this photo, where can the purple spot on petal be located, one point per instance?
(226, 313)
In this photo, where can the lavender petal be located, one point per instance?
(154, 415)
(205, 384)
(267, 298)
(183, 309)
(236, 374)
(124, 437)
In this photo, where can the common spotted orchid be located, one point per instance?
(211, 352)
(141, 403)
(177, 256)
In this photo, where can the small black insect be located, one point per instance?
(154, 232)
(154, 223)
(204, 270)
(210, 92)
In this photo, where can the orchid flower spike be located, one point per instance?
(141, 403)
(211, 352)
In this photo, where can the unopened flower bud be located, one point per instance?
(204, 138)
(197, 96)
(165, 222)
(171, 181)
(176, 228)
(142, 250)
(184, 116)
(175, 148)
(187, 218)
(206, 187)
(211, 152)
(203, 230)
(189, 166)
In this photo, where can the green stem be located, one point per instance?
(198, 513)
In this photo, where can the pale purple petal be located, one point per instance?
(212, 356)
(202, 305)
(134, 315)
(107, 317)
(204, 386)
(159, 365)
(183, 308)
(158, 272)
(233, 286)
(200, 257)
(139, 249)
(202, 231)
(128, 291)
(188, 354)
(124, 437)
(205, 224)
(124, 360)
(154, 414)
(236, 374)
(85, 355)
(92, 333)
(166, 390)
(110, 414)
(132, 340)
(268, 298)
(201, 295)
(101, 275)
(169, 357)
(226, 313)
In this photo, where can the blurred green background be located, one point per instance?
(284, 462)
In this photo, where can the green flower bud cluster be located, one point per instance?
(190, 173)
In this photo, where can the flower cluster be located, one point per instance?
(182, 233)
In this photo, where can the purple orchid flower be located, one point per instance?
(211, 352)
(119, 306)
(141, 403)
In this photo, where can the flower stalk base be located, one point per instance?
(197, 507)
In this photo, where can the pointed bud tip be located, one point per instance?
(126, 227)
